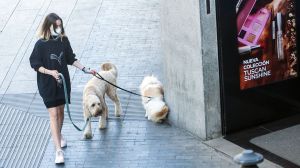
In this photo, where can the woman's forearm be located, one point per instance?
(43, 70)
(87, 70)
(78, 65)
(53, 73)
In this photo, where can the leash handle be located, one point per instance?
(101, 78)
(88, 71)
(67, 104)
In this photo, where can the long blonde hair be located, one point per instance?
(44, 32)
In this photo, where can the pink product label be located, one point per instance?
(253, 27)
(244, 13)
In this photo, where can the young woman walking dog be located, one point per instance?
(50, 56)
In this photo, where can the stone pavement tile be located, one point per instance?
(24, 73)
(136, 144)
(21, 87)
(124, 34)
(18, 33)
(120, 31)
(6, 63)
(20, 102)
(7, 8)
(33, 5)
(10, 47)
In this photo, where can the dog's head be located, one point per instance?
(93, 104)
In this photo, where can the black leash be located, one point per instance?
(97, 75)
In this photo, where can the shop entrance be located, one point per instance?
(259, 54)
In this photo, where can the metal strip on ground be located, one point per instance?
(24, 138)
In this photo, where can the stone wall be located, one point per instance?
(191, 70)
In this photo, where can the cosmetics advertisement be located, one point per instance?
(266, 41)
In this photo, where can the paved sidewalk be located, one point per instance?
(125, 32)
(136, 144)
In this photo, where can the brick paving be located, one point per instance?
(136, 144)
(125, 32)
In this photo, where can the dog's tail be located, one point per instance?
(109, 67)
(158, 117)
(150, 80)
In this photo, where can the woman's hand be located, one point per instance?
(89, 71)
(93, 72)
(54, 73)
(78, 65)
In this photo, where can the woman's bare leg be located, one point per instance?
(54, 125)
(60, 116)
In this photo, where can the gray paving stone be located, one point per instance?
(122, 150)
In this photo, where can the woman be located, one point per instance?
(50, 56)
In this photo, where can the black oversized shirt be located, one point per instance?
(53, 54)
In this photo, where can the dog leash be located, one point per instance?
(67, 104)
(97, 75)
(125, 112)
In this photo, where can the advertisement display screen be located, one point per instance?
(266, 41)
(259, 61)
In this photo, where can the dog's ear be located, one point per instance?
(101, 100)
(162, 90)
(86, 109)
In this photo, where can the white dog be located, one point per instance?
(94, 97)
(156, 108)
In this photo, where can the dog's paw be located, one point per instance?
(158, 121)
(88, 135)
(102, 126)
(118, 113)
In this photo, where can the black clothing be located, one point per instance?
(53, 54)
(55, 103)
